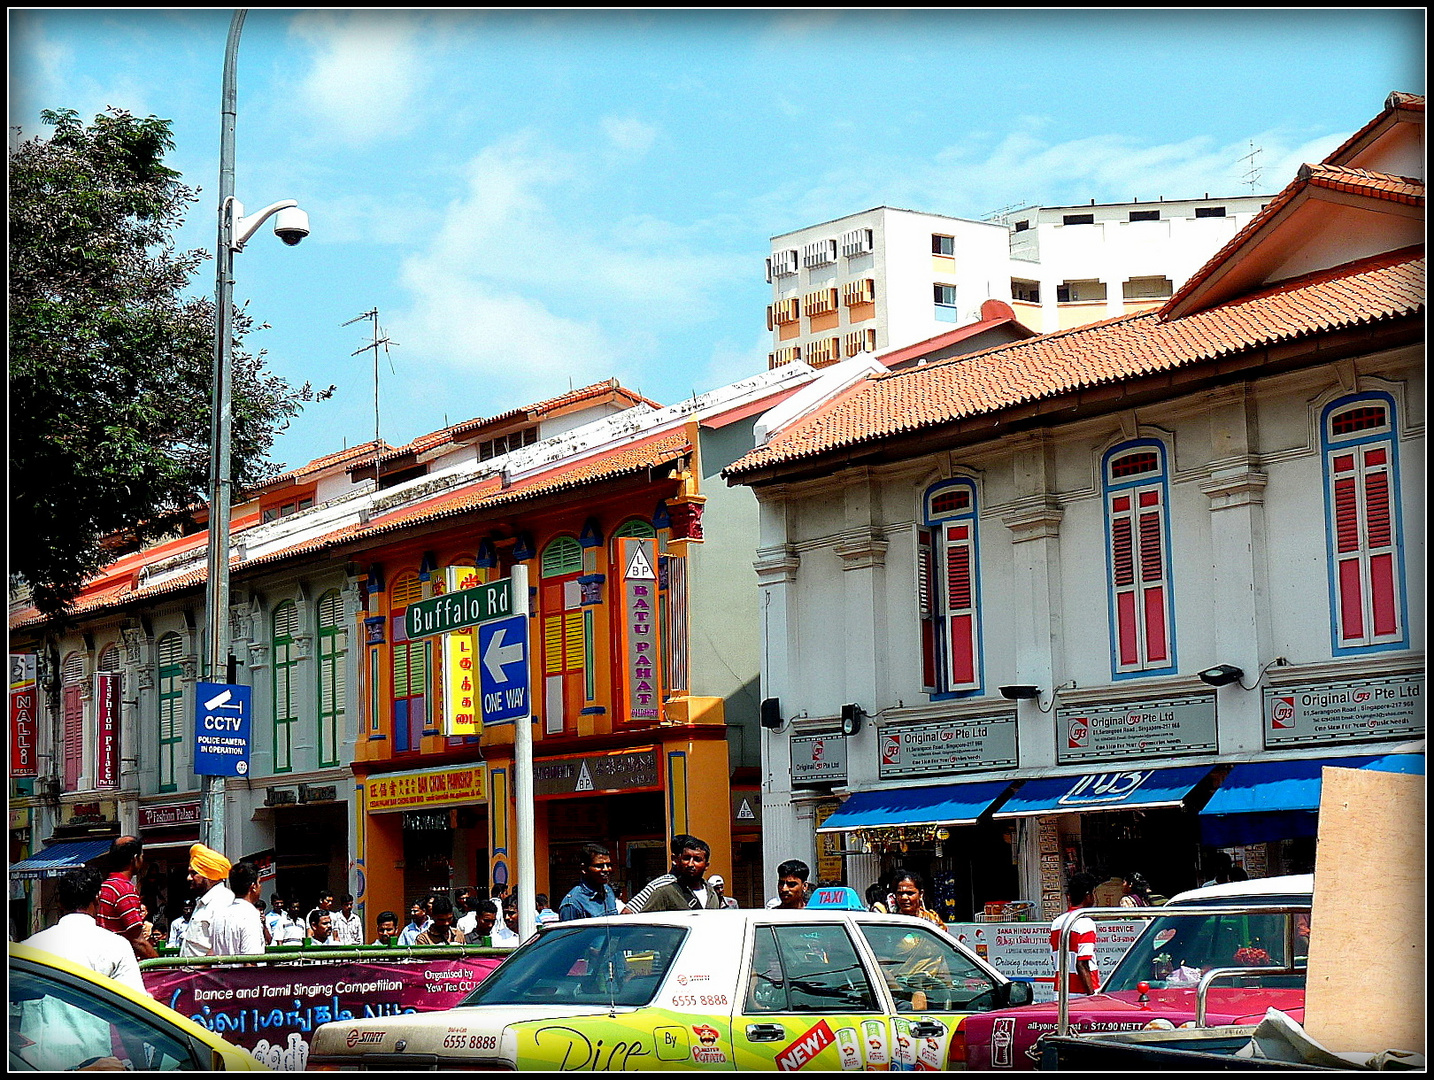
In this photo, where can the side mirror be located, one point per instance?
(1019, 993)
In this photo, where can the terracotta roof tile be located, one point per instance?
(622, 461)
(1383, 287)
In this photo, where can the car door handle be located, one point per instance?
(765, 1032)
(927, 1029)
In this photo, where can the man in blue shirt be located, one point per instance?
(592, 896)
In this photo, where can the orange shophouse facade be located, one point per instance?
(623, 753)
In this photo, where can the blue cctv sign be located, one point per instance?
(223, 717)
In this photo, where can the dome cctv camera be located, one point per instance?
(291, 225)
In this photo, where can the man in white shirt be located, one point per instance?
(49, 1033)
(292, 928)
(348, 927)
(207, 871)
(79, 938)
(238, 930)
(176, 928)
(505, 933)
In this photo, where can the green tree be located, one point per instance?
(110, 362)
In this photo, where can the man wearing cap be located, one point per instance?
(207, 871)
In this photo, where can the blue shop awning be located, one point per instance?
(1261, 801)
(1131, 789)
(947, 804)
(59, 858)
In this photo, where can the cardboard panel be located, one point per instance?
(1366, 989)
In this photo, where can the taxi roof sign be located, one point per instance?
(838, 898)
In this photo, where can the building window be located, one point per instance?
(819, 253)
(948, 590)
(565, 634)
(1360, 447)
(72, 702)
(787, 311)
(945, 297)
(171, 709)
(1077, 219)
(1145, 215)
(1075, 292)
(1028, 292)
(856, 242)
(943, 245)
(1147, 288)
(1138, 551)
(286, 669)
(1022, 226)
(411, 665)
(1209, 211)
(333, 660)
(504, 444)
(782, 263)
(862, 291)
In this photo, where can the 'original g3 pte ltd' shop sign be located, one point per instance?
(818, 759)
(1165, 728)
(950, 746)
(1353, 710)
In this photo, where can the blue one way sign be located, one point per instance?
(503, 669)
(222, 719)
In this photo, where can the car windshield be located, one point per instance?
(583, 964)
(1175, 952)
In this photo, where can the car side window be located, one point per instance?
(55, 1026)
(928, 973)
(798, 968)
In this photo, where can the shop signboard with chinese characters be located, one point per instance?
(597, 774)
(1352, 710)
(420, 789)
(641, 646)
(818, 759)
(950, 746)
(1167, 727)
(23, 724)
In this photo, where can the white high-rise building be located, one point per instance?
(886, 277)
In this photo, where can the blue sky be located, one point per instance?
(537, 199)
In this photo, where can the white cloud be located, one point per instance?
(629, 133)
(366, 76)
(525, 284)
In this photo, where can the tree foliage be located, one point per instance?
(110, 362)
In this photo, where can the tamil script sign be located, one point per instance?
(951, 746)
(459, 610)
(629, 770)
(1162, 728)
(272, 1011)
(1022, 951)
(818, 759)
(1353, 710)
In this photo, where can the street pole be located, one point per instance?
(216, 599)
(523, 785)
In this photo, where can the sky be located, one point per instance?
(541, 199)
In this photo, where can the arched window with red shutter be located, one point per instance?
(948, 590)
(1137, 497)
(1360, 448)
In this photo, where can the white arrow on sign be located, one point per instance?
(498, 656)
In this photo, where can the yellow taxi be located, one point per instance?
(716, 991)
(64, 1016)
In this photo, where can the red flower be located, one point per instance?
(1249, 956)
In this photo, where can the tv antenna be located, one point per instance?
(1252, 174)
(380, 338)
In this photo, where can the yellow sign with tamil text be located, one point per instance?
(460, 678)
(420, 790)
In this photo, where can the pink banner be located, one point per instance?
(107, 730)
(22, 732)
(272, 1011)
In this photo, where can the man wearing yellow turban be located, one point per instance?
(207, 872)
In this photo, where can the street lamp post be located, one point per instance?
(291, 226)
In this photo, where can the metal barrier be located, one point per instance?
(1178, 910)
(292, 954)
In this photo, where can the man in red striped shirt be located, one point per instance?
(1082, 974)
(119, 907)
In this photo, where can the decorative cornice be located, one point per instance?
(1035, 518)
(862, 551)
(777, 566)
(1235, 484)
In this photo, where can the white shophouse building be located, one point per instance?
(991, 584)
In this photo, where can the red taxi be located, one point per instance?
(1154, 984)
